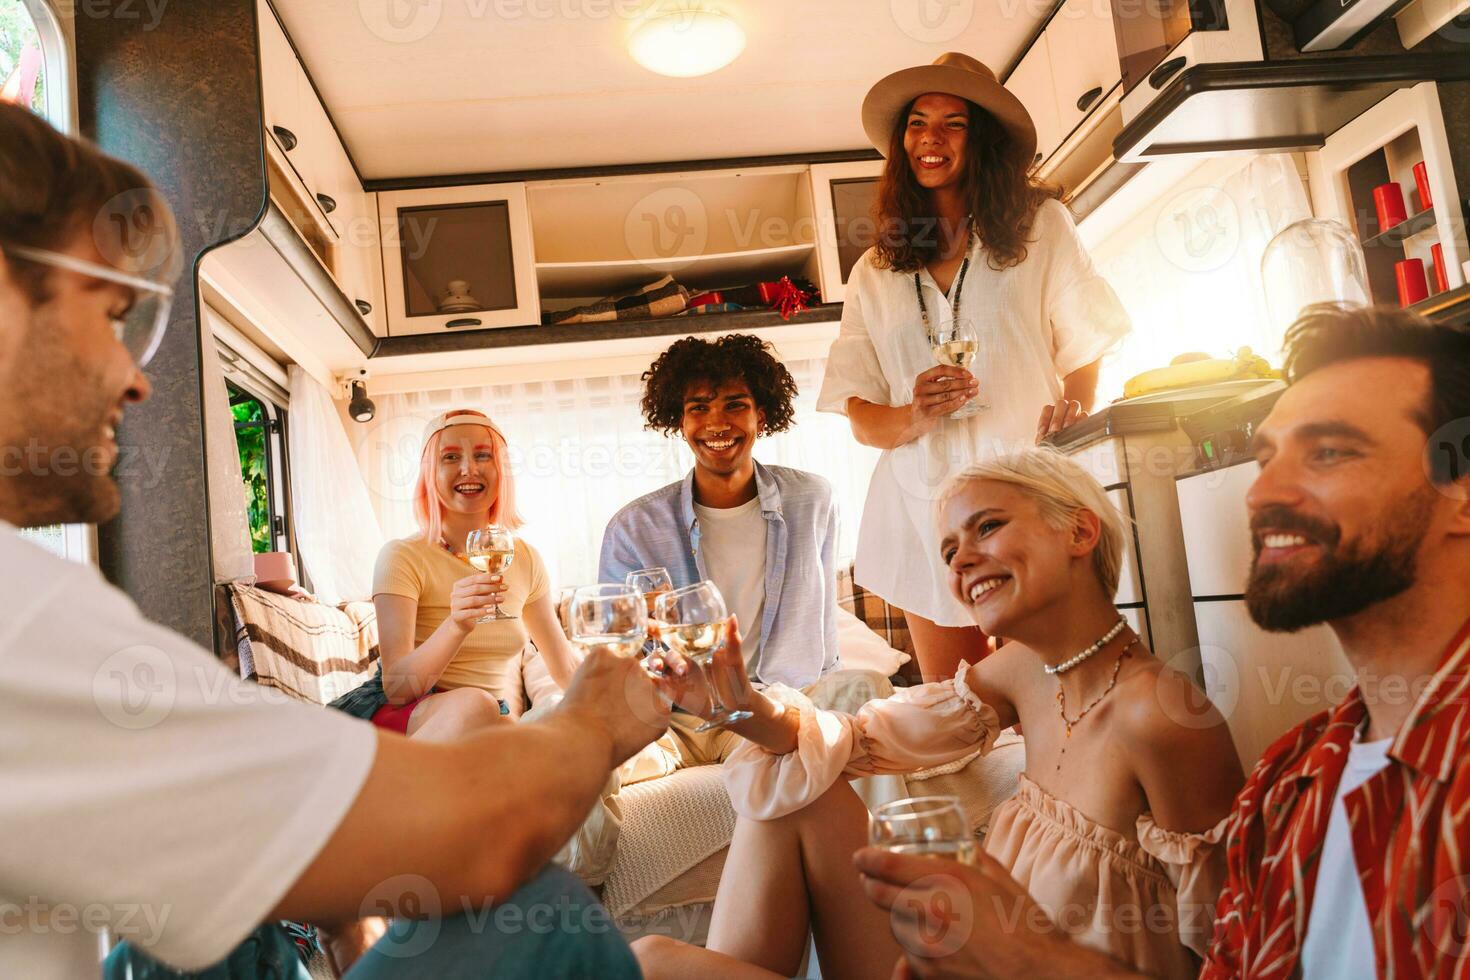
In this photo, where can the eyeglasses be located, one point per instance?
(140, 329)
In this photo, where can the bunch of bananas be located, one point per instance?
(1188, 370)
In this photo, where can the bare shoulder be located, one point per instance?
(1164, 714)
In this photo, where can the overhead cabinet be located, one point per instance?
(1032, 83)
(843, 196)
(313, 181)
(458, 258)
(1084, 59)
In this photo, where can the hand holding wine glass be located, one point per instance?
(956, 344)
(491, 549)
(694, 623)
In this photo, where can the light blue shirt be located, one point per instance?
(799, 623)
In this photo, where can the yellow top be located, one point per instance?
(490, 658)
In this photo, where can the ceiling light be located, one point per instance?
(687, 43)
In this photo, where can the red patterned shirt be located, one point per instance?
(1411, 836)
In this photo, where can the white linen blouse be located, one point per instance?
(1038, 322)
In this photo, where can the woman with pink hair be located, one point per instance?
(444, 672)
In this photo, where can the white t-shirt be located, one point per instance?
(733, 543)
(1339, 940)
(144, 788)
(1038, 321)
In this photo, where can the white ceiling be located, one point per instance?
(423, 87)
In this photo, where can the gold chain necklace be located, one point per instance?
(1062, 697)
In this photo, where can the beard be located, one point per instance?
(1348, 578)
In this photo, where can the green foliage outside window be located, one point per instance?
(250, 436)
(17, 36)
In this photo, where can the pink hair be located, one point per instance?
(428, 505)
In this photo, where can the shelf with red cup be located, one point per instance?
(1405, 229)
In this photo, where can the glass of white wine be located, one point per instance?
(491, 549)
(611, 616)
(957, 344)
(692, 621)
(932, 825)
(651, 582)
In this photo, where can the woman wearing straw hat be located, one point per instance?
(964, 235)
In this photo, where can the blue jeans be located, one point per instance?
(551, 927)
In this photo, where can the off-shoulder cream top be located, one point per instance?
(1147, 899)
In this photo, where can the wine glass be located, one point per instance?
(492, 549)
(932, 825)
(956, 344)
(652, 582)
(609, 615)
(692, 621)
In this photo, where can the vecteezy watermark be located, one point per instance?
(1199, 229)
(1191, 706)
(36, 458)
(932, 21)
(135, 687)
(136, 921)
(1447, 456)
(416, 908)
(1447, 916)
(150, 12)
(133, 235)
(669, 224)
(401, 21)
(942, 912)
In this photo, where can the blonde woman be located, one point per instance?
(444, 673)
(1129, 772)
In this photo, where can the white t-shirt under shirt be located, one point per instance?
(1339, 940)
(733, 543)
(144, 788)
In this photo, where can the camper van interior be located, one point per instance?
(843, 488)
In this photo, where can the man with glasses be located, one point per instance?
(147, 791)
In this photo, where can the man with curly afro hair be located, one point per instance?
(765, 535)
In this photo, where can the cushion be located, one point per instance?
(880, 617)
(862, 649)
(309, 650)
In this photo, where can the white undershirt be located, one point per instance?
(733, 542)
(1339, 940)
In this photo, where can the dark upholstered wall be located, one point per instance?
(180, 99)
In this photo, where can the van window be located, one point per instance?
(259, 431)
(22, 59)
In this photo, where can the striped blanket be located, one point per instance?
(309, 650)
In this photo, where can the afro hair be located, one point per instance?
(734, 357)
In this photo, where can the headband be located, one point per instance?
(461, 417)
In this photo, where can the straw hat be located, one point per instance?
(952, 74)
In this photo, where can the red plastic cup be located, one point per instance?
(1410, 277)
(1421, 181)
(1441, 279)
(1389, 200)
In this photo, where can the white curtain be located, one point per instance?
(1188, 268)
(336, 527)
(579, 452)
(229, 524)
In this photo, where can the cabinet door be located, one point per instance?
(1084, 60)
(1266, 683)
(1032, 83)
(842, 198)
(458, 258)
(279, 82)
(1217, 537)
(1130, 587)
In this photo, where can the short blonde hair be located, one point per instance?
(1060, 488)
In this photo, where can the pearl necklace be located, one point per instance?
(1107, 637)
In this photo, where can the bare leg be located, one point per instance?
(784, 878)
(939, 649)
(450, 715)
